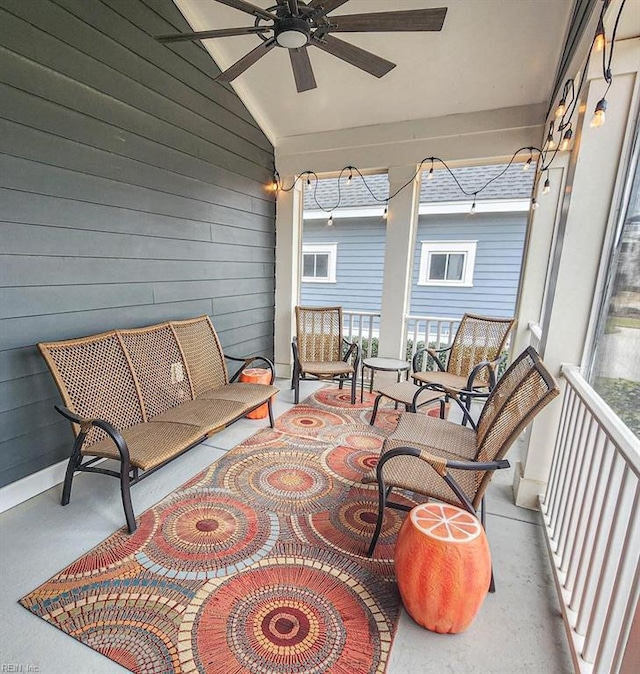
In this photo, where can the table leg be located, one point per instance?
(362, 384)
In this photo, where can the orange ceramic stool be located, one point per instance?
(257, 375)
(443, 566)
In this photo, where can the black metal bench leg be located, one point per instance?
(125, 489)
(74, 461)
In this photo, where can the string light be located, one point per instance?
(350, 177)
(546, 188)
(527, 164)
(534, 204)
(599, 41)
(551, 144)
(599, 117)
(566, 140)
(473, 205)
(561, 109)
(430, 176)
(385, 215)
(330, 220)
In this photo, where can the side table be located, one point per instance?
(383, 365)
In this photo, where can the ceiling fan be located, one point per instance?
(296, 25)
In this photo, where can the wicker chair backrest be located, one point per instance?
(523, 391)
(159, 367)
(202, 352)
(478, 338)
(95, 380)
(319, 334)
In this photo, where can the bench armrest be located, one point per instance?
(87, 424)
(249, 361)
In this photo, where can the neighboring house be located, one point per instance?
(462, 262)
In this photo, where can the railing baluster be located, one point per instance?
(592, 525)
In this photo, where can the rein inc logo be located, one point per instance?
(18, 668)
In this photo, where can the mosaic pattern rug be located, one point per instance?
(257, 565)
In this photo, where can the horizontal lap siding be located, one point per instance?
(496, 275)
(132, 190)
(359, 266)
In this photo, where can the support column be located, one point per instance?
(288, 251)
(402, 219)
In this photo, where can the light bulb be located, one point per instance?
(534, 204)
(551, 144)
(330, 220)
(527, 164)
(546, 188)
(430, 176)
(599, 40)
(566, 140)
(599, 114)
(349, 179)
(274, 186)
(473, 207)
(385, 215)
(561, 109)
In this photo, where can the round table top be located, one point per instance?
(386, 363)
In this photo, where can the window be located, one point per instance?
(319, 262)
(447, 263)
(615, 372)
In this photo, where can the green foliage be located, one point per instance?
(623, 396)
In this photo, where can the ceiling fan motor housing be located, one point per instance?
(292, 32)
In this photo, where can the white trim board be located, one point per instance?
(433, 208)
(17, 492)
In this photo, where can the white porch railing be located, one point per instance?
(592, 526)
(359, 326)
(430, 331)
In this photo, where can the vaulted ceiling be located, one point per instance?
(490, 54)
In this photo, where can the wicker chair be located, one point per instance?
(473, 358)
(318, 349)
(453, 463)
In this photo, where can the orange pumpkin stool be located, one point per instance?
(257, 375)
(443, 566)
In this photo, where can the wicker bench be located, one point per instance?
(147, 395)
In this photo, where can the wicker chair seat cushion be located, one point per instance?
(150, 444)
(209, 415)
(436, 436)
(247, 393)
(447, 381)
(327, 368)
(404, 391)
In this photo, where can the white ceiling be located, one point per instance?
(490, 54)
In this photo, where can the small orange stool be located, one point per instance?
(443, 566)
(257, 375)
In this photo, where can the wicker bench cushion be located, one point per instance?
(150, 443)
(246, 393)
(208, 415)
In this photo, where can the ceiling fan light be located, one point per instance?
(292, 33)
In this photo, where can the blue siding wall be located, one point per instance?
(500, 238)
(359, 267)
(360, 264)
(132, 190)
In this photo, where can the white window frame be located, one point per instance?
(466, 248)
(314, 248)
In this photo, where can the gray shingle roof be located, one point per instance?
(514, 184)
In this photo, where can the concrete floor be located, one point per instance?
(518, 629)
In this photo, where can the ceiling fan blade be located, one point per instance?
(302, 70)
(206, 34)
(365, 60)
(246, 61)
(405, 20)
(247, 7)
(326, 6)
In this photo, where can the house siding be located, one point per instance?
(360, 264)
(132, 191)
